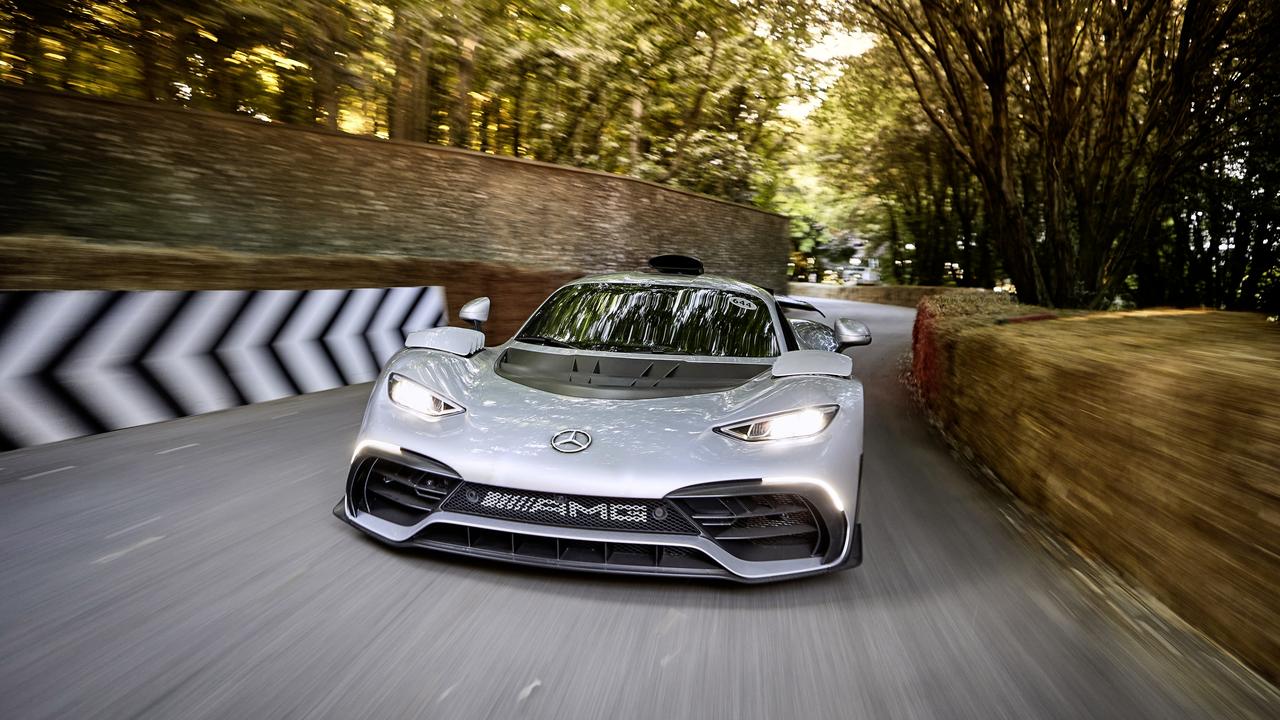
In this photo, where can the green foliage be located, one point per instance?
(685, 92)
(910, 195)
(1082, 148)
(1105, 142)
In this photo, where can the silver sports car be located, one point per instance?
(666, 423)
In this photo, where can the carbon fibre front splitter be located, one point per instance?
(590, 556)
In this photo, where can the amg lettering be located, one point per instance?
(548, 505)
(627, 513)
(520, 503)
(601, 511)
(513, 502)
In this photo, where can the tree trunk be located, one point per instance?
(156, 83)
(517, 112)
(25, 51)
(1009, 235)
(1216, 235)
(486, 111)
(895, 242)
(294, 101)
(637, 127)
(324, 94)
(1187, 258)
(1008, 224)
(1057, 237)
(400, 105)
(460, 114)
(222, 80)
(1240, 232)
(693, 118)
(963, 207)
(425, 82)
(1259, 263)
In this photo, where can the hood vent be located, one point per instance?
(621, 378)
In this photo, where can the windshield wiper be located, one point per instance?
(548, 341)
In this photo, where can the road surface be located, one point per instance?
(192, 569)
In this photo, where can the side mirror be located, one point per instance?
(475, 312)
(813, 335)
(851, 333)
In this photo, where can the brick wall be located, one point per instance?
(112, 171)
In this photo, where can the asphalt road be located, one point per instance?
(192, 569)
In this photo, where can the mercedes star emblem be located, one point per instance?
(571, 441)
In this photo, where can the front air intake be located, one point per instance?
(759, 527)
(399, 493)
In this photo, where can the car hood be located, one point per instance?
(644, 446)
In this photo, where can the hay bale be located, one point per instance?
(1151, 439)
(901, 295)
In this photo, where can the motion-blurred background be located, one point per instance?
(1060, 220)
(1085, 152)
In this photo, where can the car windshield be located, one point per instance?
(667, 319)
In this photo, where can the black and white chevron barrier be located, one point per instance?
(75, 363)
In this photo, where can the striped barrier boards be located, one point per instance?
(76, 363)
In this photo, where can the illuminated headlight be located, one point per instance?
(783, 426)
(412, 396)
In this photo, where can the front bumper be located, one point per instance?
(739, 530)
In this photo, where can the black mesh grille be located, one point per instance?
(584, 511)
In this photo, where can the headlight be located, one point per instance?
(783, 426)
(410, 395)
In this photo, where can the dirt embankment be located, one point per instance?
(1151, 439)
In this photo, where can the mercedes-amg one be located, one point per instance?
(665, 422)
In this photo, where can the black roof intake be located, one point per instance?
(677, 264)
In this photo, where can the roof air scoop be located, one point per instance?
(676, 264)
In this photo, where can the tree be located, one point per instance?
(1076, 117)
(870, 140)
(683, 92)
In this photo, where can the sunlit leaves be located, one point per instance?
(681, 91)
